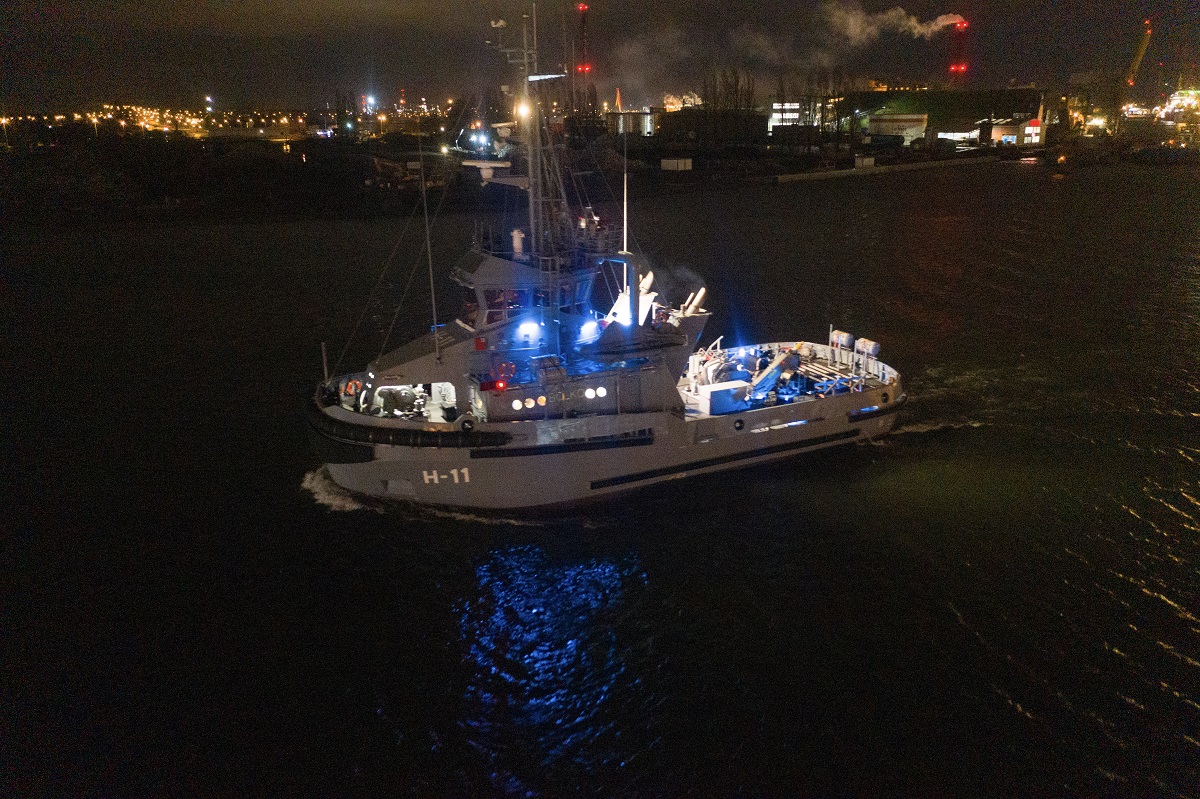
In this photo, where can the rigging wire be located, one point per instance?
(437, 349)
(412, 276)
(374, 291)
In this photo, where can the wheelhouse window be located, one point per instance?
(573, 297)
(503, 303)
(469, 310)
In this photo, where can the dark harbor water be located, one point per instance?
(1003, 599)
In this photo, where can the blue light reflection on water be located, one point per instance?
(543, 659)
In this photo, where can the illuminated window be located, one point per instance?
(542, 401)
(590, 393)
(516, 405)
(496, 305)
(529, 402)
(602, 392)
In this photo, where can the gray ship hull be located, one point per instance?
(551, 463)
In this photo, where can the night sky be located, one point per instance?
(64, 54)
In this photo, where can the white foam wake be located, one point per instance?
(328, 493)
(335, 498)
(935, 425)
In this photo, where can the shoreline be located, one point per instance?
(882, 169)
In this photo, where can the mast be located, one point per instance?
(625, 196)
(533, 141)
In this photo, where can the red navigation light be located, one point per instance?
(492, 385)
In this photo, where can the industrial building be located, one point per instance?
(994, 116)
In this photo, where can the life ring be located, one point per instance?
(508, 370)
(352, 387)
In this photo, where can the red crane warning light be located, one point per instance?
(584, 68)
(958, 61)
(582, 8)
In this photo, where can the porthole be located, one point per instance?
(739, 424)
(883, 398)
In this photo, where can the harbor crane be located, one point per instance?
(1138, 55)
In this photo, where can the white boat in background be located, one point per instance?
(533, 398)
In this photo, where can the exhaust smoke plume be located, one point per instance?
(861, 28)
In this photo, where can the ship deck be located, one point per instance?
(822, 371)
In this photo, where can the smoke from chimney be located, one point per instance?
(860, 28)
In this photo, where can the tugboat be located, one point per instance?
(531, 398)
